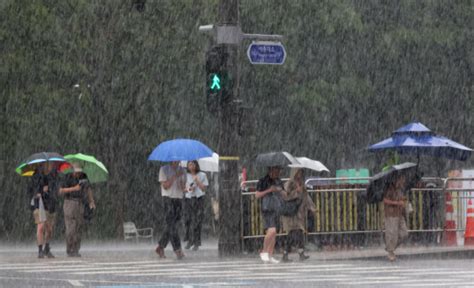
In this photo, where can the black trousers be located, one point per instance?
(294, 238)
(193, 216)
(172, 208)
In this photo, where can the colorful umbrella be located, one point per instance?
(180, 150)
(93, 168)
(33, 162)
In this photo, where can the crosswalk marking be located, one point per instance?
(243, 271)
(75, 283)
(441, 284)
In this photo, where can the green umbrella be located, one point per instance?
(93, 168)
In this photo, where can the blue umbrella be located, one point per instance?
(417, 139)
(180, 150)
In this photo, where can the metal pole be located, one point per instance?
(229, 194)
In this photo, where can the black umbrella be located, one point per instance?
(276, 159)
(380, 182)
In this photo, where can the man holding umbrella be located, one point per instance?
(394, 208)
(391, 187)
(172, 179)
(79, 202)
(75, 194)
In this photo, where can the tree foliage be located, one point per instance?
(102, 78)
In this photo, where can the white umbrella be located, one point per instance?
(208, 164)
(309, 164)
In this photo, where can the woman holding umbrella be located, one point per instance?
(295, 225)
(269, 189)
(43, 214)
(43, 191)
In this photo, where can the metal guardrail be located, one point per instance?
(342, 209)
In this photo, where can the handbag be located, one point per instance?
(290, 208)
(271, 203)
(88, 212)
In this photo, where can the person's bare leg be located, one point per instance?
(267, 242)
(272, 241)
(39, 234)
(40, 239)
(272, 245)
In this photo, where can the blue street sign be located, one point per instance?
(270, 53)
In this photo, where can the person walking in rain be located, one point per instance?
(269, 189)
(76, 195)
(196, 185)
(394, 208)
(296, 225)
(173, 180)
(42, 192)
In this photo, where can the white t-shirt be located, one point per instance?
(176, 190)
(197, 191)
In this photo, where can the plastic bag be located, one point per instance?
(42, 211)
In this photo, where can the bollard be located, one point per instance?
(450, 223)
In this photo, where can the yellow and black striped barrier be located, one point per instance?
(342, 208)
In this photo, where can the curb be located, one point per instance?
(433, 255)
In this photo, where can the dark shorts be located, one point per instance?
(271, 220)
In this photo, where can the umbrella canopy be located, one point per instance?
(34, 161)
(417, 139)
(208, 164)
(311, 164)
(380, 182)
(93, 168)
(180, 150)
(276, 159)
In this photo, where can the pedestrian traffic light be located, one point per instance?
(215, 82)
(216, 72)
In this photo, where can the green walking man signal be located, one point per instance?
(216, 83)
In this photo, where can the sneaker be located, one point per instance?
(285, 258)
(189, 245)
(179, 254)
(391, 256)
(274, 261)
(303, 256)
(160, 251)
(195, 248)
(41, 254)
(265, 258)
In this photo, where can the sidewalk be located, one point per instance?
(12, 252)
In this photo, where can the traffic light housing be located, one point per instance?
(216, 77)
